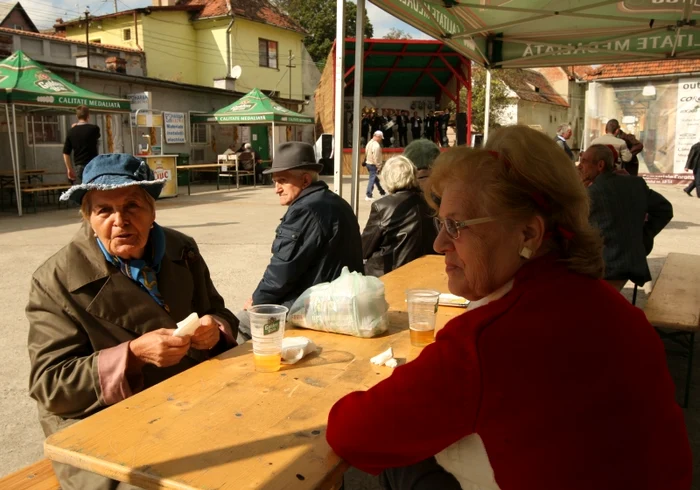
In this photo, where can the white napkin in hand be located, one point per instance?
(188, 326)
(294, 349)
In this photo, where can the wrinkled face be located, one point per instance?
(122, 220)
(589, 169)
(289, 184)
(568, 134)
(485, 256)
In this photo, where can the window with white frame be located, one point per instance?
(47, 130)
(198, 134)
(267, 53)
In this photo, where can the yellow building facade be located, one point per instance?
(184, 50)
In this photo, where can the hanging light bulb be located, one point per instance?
(649, 90)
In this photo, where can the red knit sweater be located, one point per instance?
(565, 382)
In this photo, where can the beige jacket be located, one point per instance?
(82, 314)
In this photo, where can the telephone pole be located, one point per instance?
(87, 35)
(116, 9)
(290, 66)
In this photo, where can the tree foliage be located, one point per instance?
(499, 98)
(318, 17)
(395, 33)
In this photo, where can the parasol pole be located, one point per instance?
(18, 190)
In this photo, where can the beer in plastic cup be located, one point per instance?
(267, 328)
(422, 308)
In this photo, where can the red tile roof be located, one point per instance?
(643, 68)
(255, 10)
(531, 86)
(62, 38)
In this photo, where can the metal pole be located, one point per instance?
(273, 139)
(15, 172)
(87, 35)
(33, 142)
(116, 9)
(18, 190)
(357, 106)
(487, 107)
(339, 92)
(289, 67)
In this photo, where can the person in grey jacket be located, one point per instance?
(318, 235)
(628, 214)
(400, 227)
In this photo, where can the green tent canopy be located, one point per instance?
(24, 81)
(535, 33)
(253, 108)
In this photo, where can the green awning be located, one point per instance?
(532, 33)
(24, 81)
(253, 108)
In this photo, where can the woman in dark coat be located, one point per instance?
(400, 227)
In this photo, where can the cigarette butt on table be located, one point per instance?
(380, 359)
(392, 363)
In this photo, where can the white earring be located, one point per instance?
(526, 253)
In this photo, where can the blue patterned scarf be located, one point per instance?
(143, 271)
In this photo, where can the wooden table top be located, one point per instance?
(222, 425)
(675, 300)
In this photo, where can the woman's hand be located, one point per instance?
(160, 348)
(207, 334)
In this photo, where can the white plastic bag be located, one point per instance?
(353, 304)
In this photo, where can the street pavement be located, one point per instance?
(234, 230)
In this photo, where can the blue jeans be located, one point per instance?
(373, 180)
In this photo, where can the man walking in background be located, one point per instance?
(82, 141)
(564, 133)
(693, 164)
(374, 162)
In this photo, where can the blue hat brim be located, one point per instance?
(110, 182)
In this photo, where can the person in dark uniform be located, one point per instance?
(378, 121)
(416, 123)
(389, 130)
(443, 121)
(428, 126)
(402, 121)
(366, 123)
(693, 164)
(435, 130)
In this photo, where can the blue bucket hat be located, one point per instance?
(114, 171)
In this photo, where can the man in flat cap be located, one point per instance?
(318, 235)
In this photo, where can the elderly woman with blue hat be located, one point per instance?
(102, 311)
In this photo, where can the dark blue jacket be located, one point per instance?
(629, 215)
(317, 237)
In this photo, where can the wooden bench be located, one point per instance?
(37, 476)
(33, 191)
(674, 304)
(231, 168)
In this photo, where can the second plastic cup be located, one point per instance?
(267, 329)
(422, 308)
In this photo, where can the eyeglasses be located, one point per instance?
(452, 227)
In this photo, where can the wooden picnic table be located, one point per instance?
(200, 167)
(7, 181)
(674, 304)
(222, 425)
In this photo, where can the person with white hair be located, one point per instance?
(564, 133)
(400, 227)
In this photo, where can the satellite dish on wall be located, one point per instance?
(236, 72)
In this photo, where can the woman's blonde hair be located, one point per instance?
(521, 173)
(86, 203)
(399, 173)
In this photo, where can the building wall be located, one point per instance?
(60, 51)
(245, 54)
(210, 52)
(170, 43)
(183, 100)
(15, 18)
(110, 31)
(545, 117)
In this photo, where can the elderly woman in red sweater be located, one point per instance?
(551, 380)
